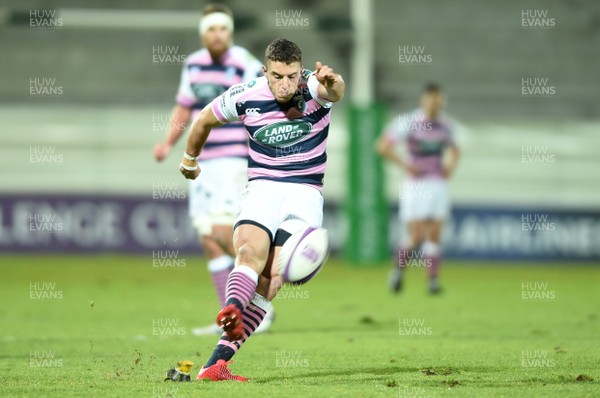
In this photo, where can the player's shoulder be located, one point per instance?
(309, 82)
(197, 57)
(247, 89)
(233, 99)
(307, 74)
(447, 120)
(308, 78)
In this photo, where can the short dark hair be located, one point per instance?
(432, 87)
(216, 7)
(283, 50)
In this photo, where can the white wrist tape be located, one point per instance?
(189, 157)
(215, 18)
(188, 168)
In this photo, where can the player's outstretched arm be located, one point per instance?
(199, 132)
(331, 85)
(180, 116)
(386, 150)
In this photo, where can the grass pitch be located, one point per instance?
(112, 325)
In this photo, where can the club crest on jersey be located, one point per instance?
(282, 134)
(251, 84)
(300, 103)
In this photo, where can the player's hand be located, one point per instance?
(192, 171)
(325, 75)
(161, 151)
(447, 171)
(414, 171)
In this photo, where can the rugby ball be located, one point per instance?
(303, 255)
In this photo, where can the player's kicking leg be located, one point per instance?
(269, 283)
(255, 280)
(252, 245)
(244, 308)
(218, 247)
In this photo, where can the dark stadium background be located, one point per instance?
(87, 88)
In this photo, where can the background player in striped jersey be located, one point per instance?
(432, 156)
(214, 199)
(286, 114)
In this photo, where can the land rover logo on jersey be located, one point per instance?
(282, 134)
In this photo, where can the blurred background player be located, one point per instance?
(284, 190)
(431, 157)
(214, 199)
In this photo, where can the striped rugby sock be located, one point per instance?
(241, 286)
(253, 315)
(433, 255)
